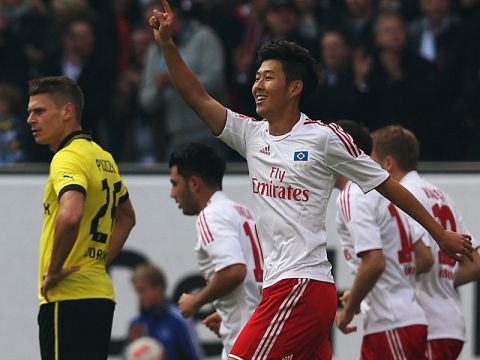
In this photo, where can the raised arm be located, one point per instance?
(207, 108)
(453, 244)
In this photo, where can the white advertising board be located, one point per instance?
(166, 237)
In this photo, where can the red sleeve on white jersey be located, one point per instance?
(220, 238)
(362, 220)
(344, 158)
(238, 129)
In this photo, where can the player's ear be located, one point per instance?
(388, 163)
(296, 87)
(69, 110)
(194, 183)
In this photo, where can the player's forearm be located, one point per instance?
(64, 239)
(403, 199)
(369, 271)
(212, 113)
(182, 77)
(468, 271)
(423, 258)
(222, 284)
(119, 237)
(124, 222)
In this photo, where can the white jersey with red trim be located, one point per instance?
(292, 177)
(435, 290)
(227, 235)
(368, 222)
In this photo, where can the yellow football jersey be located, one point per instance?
(82, 165)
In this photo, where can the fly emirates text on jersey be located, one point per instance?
(280, 191)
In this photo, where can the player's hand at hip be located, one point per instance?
(161, 22)
(343, 319)
(50, 279)
(188, 305)
(456, 246)
(213, 322)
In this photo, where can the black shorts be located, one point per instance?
(75, 329)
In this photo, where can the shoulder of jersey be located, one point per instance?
(245, 117)
(319, 127)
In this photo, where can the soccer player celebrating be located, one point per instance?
(377, 243)
(228, 250)
(87, 219)
(397, 150)
(293, 163)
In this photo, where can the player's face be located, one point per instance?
(181, 193)
(149, 296)
(46, 120)
(270, 89)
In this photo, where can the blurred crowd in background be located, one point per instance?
(409, 62)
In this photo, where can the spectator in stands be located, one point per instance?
(13, 61)
(396, 85)
(133, 141)
(359, 19)
(437, 37)
(252, 18)
(12, 129)
(159, 319)
(466, 111)
(203, 52)
(91, 69)
(33, 28)
(308, 23)
(336, 96)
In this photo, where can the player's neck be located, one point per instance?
(397, 174)
(205, 196)
(283, 121)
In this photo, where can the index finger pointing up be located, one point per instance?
(166, 7)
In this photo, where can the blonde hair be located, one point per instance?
(150, 273)
(398, 142)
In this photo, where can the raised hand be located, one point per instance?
(362, 65)
(161, 22)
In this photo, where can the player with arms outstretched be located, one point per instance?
(293, 162)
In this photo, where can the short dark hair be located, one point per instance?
(296, 61)
(359, 133)
(398, 142)
(196, 159)
(62, 89)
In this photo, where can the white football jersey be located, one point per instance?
(227, 235)
(367, 222)
(435, 290)
(292, 177)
